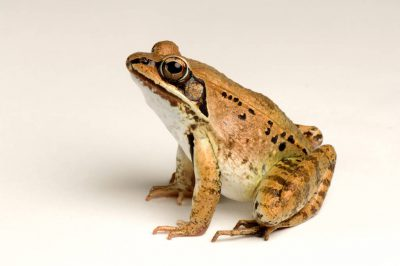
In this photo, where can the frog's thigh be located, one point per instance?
(291, 183)
(313, 134)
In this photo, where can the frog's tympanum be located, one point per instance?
(232, 142)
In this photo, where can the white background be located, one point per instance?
(79, 148)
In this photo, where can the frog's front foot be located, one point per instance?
(183, 229)
(173, 189)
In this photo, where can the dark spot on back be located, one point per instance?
(240, 103)
(317, 137)
(242, 116)
(267, 131)
(230, 97)
(251, 111)
(308, 134)
(270, 122)
(291, 139)
(326, 182)
(274, 139)
(224, 94)
(282, 146)
(313, 210)
(283, 134)
(235, 99)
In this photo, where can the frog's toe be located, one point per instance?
(254, 230)
(183, 229)
(163, 229)
(268, 231)
(170, 190)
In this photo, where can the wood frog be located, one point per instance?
(232, 142)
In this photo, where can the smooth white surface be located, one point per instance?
(79, 148)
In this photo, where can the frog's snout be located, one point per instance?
(137, 58)
(131, 60)
(128, 64)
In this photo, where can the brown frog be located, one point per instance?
(231, 141)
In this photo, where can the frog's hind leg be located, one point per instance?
(311, 208)
(313, 134)
(294, 189)
(181, 183)
(291, 193)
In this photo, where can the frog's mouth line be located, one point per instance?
(155, 88)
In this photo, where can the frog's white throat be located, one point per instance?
(170, 109)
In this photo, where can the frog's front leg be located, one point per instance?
(206, 193)
(181, 183)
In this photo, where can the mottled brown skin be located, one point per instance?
(283, 168)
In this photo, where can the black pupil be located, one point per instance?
(174, 67)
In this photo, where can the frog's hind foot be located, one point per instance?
(253, 223)
(256, 230)
(246, 224)
(248, 227)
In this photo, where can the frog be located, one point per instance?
(232, 142)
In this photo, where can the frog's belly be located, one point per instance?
(237, 181)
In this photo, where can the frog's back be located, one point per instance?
(242, 114)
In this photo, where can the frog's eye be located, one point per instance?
(174, 69)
